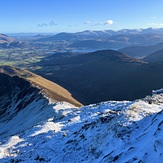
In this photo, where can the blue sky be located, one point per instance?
(78, 15)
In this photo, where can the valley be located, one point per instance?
(81, 81)
(93, 75)
(82, 97)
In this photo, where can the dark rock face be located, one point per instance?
(15, 93)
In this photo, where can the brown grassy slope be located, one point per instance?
(51, 89)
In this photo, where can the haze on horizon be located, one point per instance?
(54, 16)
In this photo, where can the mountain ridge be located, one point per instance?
(50, 89)
(112, 131)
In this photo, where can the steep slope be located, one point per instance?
(17, 95)
(105, 132)
(155, 57)
(50, 89)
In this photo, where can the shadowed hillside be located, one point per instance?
(141, 51)
(155, 57)
(103, 75)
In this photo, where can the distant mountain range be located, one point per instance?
(108, 38)
(96, 40)
(88, 35)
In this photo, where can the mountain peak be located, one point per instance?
(113, 55)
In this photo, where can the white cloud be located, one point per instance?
(88, 22)
(109, 22)
(154, 18)
(50, 24)
(42, 25)
(99, 23)
(71, 25)
(155, 24)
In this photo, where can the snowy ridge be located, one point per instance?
(107, 132)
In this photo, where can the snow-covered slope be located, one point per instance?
(105, 132)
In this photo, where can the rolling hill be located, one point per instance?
(141, 51)
(155, 57)
(103, 75)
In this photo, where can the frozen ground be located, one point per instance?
(107, 132)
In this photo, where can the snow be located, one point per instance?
(113, 131)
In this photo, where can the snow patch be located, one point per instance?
(110, 131)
